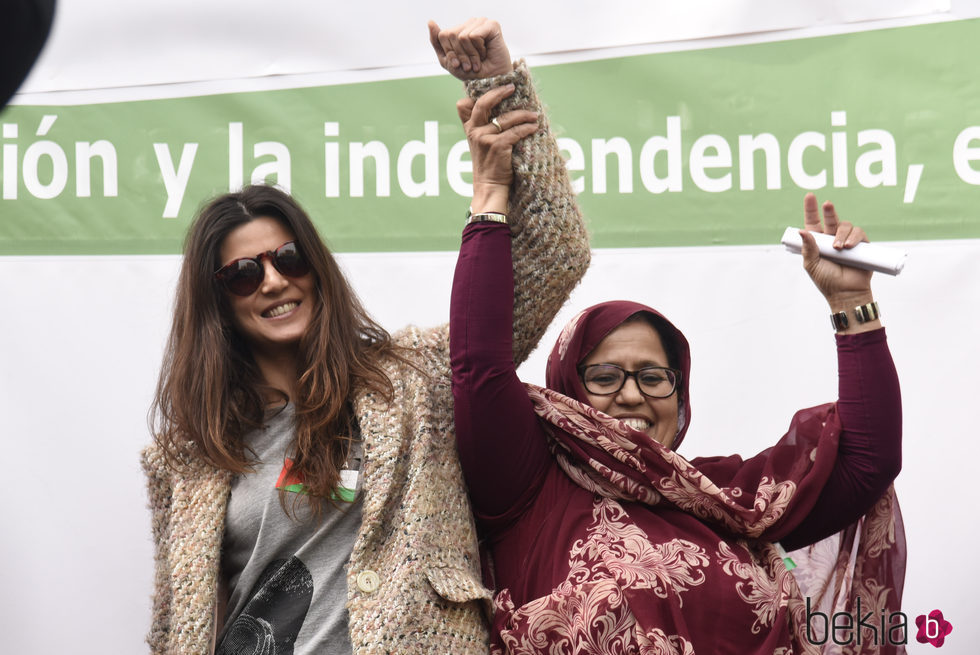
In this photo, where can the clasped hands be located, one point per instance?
(472, 50)
(476, 49)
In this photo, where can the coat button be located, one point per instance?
(368, 581)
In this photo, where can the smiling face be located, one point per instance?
(634, 345)
(273, 318)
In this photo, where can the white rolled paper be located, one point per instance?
(868, 256)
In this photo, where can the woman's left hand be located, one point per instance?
(491, 145)
(842, 286)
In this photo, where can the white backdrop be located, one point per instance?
(81, 338)
(173, 41)
(81, 353)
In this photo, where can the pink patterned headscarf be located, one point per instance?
(590, 326)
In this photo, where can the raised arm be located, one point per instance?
(869, 453)
(869, 403)
(510, 279)
(550, 247)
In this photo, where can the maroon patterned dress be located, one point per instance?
(603, 541)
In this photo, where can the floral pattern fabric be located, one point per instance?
(627, 592)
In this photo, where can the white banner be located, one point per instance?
(102, 44)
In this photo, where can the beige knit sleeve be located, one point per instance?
(550, 244)
(158, 492)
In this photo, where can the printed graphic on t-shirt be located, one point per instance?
(290, 481)
(274, 613)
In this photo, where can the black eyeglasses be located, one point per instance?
(243, 276)
(607, 379)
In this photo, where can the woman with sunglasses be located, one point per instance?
(304, 483)
(605, 540)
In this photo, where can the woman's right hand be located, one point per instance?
(835, 281)
(471, 50)
(492, 144)
(844, 287)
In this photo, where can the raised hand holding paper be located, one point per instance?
(868, 256)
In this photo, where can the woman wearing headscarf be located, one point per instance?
(304, 482)
(604, 539)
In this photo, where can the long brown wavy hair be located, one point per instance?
(211, 392)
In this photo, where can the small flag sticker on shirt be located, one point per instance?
(787, 560)
(288, 481)
(346, 491)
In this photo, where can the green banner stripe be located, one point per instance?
(699, 147)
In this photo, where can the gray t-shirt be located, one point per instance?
(287, 578)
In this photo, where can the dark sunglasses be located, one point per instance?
(243, 276)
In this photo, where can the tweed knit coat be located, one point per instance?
(417, 532)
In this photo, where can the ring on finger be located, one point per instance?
(496, 124)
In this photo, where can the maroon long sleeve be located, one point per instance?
(869, 455)
(501, 447)
(504, 452)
